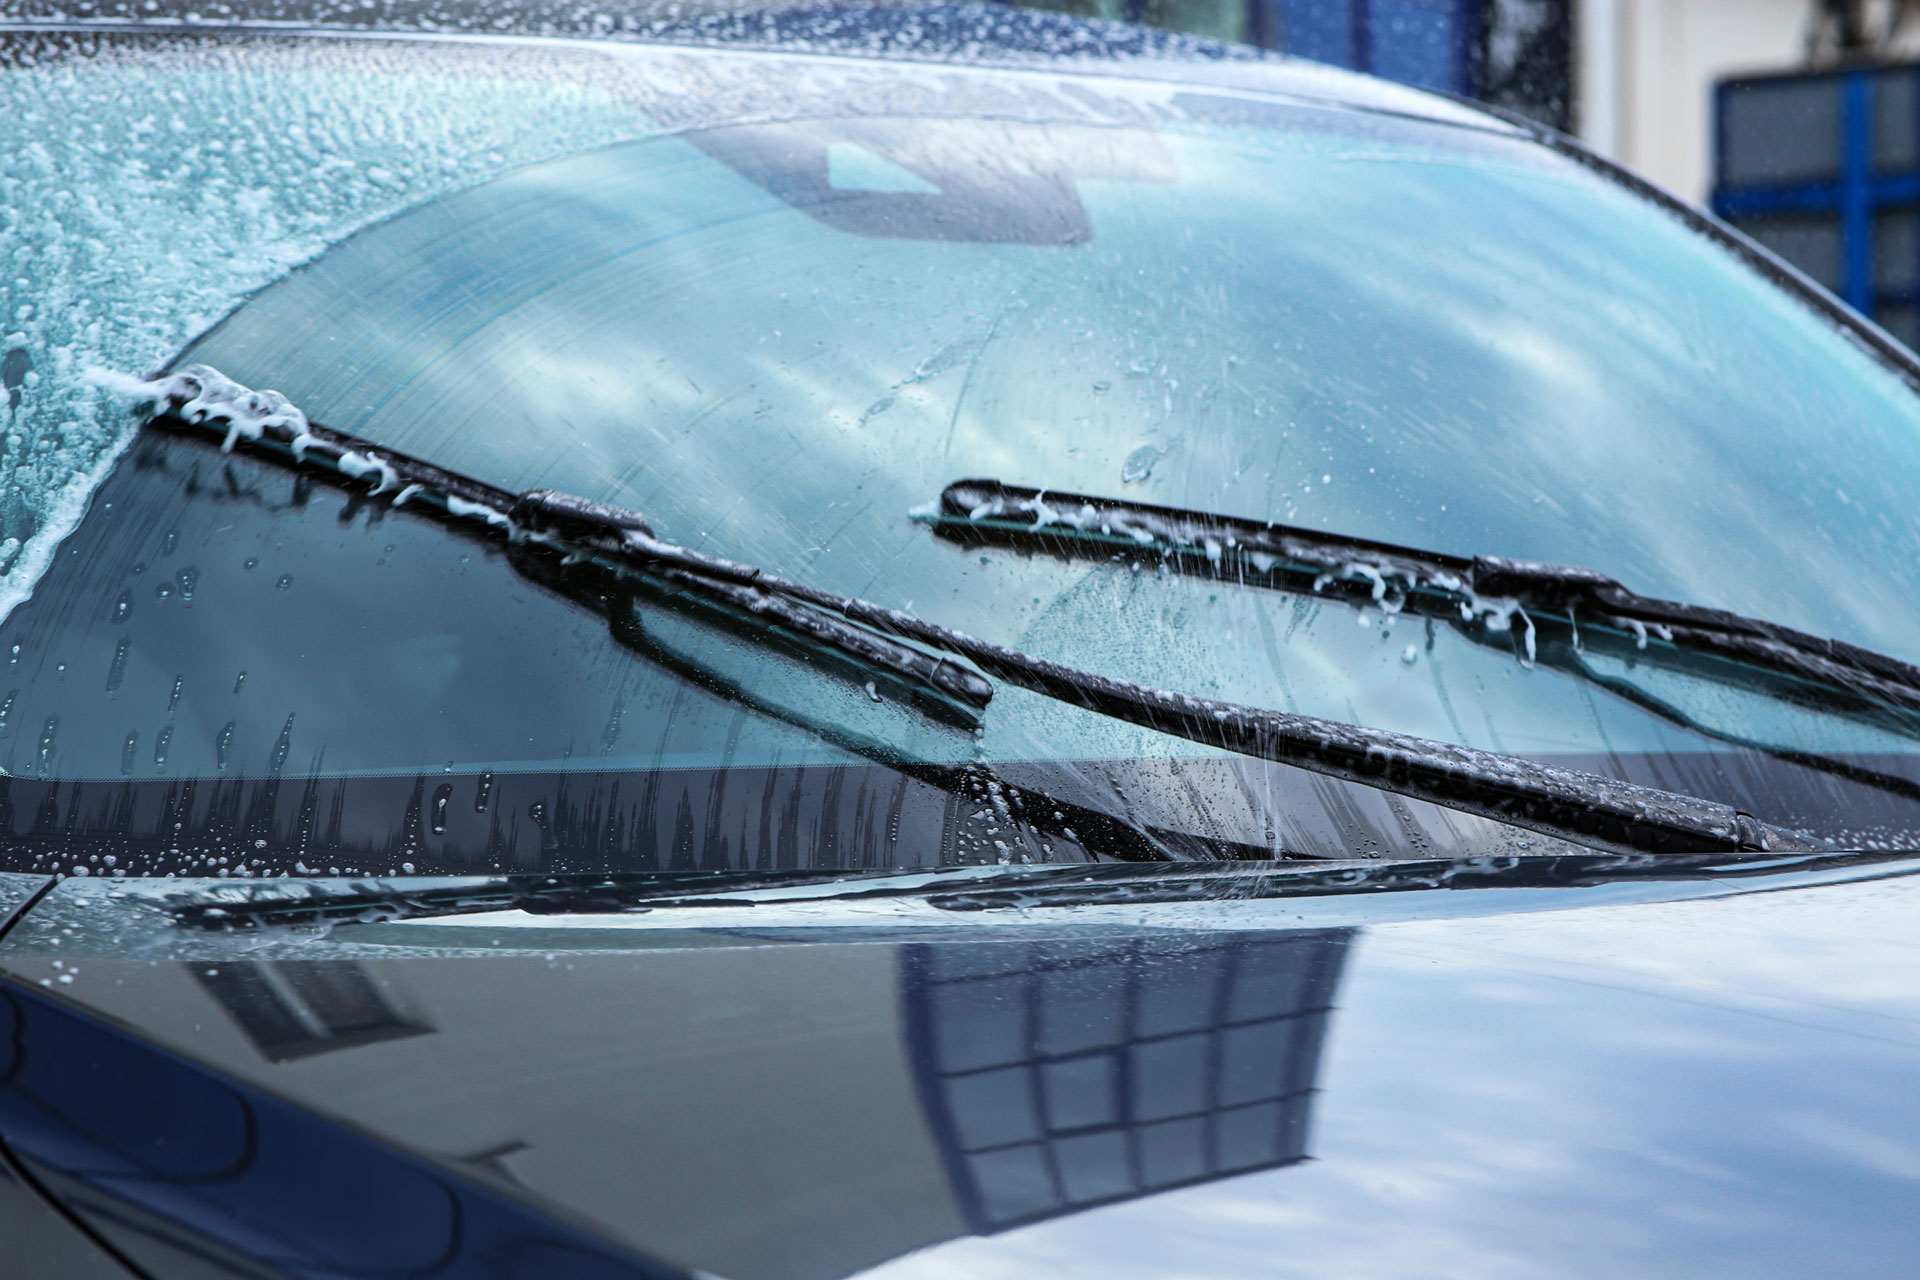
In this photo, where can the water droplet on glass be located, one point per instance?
(285, 581)
(281, 746)
(442, 794)
(239, 681)
(250, 563)
(46, 745)
(161, 742)
(189, 578)
(223, 746)
(173, 699)
(123, 606)
(127, 750)
(1139, 464)
(117, 669)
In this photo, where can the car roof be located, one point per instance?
(950, 36)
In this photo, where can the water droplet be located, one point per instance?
(250, 563)
(189, 578)
(285, 580)
(281, 746)
(168, 543)
(6, 708)
(127, 750)
(239, 681)
(442, 794)
(163, 590)
(483, 792)
(123, 606)
(46, 745)
(117, 669)
(223, 746)
(173, 699)
(1139, 464)
(872, 692)
(1410, 655)
(161, 742)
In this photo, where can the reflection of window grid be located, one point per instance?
(1060, 1075)
(296, 1008)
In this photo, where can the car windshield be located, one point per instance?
(780, 340)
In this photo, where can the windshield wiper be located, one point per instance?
(1553, 615)
(242, 907)
(1563, 803)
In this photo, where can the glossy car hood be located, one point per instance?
(1592, 1079)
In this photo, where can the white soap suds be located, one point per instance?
(146, 192)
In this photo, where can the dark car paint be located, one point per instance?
(169, 1162)
(1581, 1083)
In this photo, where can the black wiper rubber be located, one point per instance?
(1451, 588)
(1563, 803)
(241, 907)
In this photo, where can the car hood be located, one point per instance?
(1407, 1076)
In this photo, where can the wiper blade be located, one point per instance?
(1519, 599)
(203, 398)
(295, 904)
(1563, 803)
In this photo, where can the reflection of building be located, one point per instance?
(715, 1098)
(292, 1008)
(1061, 1075)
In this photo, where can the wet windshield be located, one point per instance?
(781, 340)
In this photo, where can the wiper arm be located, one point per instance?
(1563, 803)
(1518, 598)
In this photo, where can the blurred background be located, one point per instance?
(1797, 120)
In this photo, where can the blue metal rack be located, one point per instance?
(1824, 169)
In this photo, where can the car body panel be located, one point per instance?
(1579, 1084)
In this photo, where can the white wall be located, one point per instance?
(1644, 74)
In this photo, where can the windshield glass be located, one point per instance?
(781, 340)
